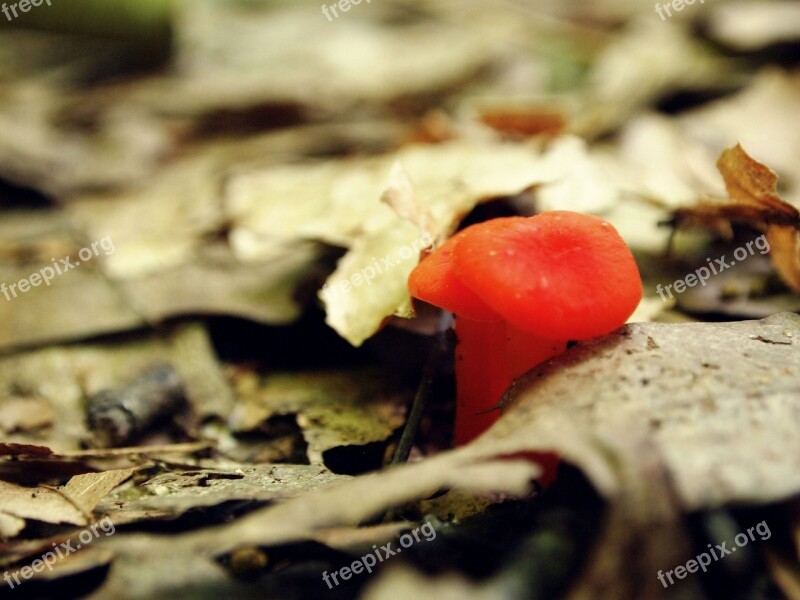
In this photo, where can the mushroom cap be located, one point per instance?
(433, 281)
(561, 275)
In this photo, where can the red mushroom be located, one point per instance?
(520, 289)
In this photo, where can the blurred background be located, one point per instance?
(241, 154)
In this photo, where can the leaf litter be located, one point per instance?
(257, 186)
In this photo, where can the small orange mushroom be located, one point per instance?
(520, 288)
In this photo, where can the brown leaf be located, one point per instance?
(25, 414)
(10, 526)
(754, 202)
(524, 121)
(169, 495)
(785, 253)
(691, 389)
(42, 504)
(333, 409)
(24, 450)
(750, 183)
(85, 491)
(72, 503)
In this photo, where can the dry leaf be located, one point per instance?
(751, 25)
(85, 491)
(25, 414)
(72, 503)
(10, 526)
(339, 202)
(169, 495)
(332, 408)
(763, 118)
(650, 59)
(7, 449)
(692, 389)
(42, 504)
(754, 201)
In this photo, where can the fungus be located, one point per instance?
(521, 288)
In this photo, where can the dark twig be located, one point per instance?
(437, 352)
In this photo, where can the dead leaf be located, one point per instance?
(42, 504)
(169, 495)
(332, 408)
(25, 414)
(339, 203)
(763, 118)
(72, 503)
(752, 184)
(85, 491)
(752, 25)
(10, 526)
(8, 449)
(692, 388)
(651, 58)
(523, 121)
(754, 201)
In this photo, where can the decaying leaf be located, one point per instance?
(339, 203)
(650, 59)
(10, 526)
(690, 388)
(24, 414)
(72, 503)
(11, 449)
(85, 491)
(751, 25)
(229, 161)
(169, 495)
(754, 201)
(762, 117)
(42, 504)
(332, 408)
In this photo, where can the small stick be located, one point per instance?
(119, 415)
(437, 353)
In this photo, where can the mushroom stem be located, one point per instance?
(481, 375)
(489, 356)
(525, 350)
